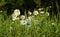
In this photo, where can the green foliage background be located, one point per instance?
(42, 28)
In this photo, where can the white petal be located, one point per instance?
(35, 12)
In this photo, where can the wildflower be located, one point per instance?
(17, 12)
(14, 17)
(47, 14)
(23, 22)
(35, 12)
(28, 23)
(40, 9)
(29, 18)
(29, 12)
(42, 12)
(22, 17)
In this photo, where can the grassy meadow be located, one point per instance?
(41, 26)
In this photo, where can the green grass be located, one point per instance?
(43, 27)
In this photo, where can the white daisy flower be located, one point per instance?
(29, 12)
(23, 22)
(22, 17)
(29, 18)
(14, 17)
(40, 9)
(28, 23)
(35, 12)
(47, 14)
(17, 12)
(41, 12)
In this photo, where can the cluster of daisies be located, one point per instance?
(23, 20)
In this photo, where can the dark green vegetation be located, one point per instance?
(10, 5)
(44, 27)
